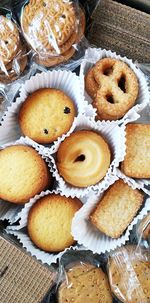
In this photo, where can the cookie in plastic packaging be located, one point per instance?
(129, 274)
(143, 231)
(13, 57)
(53, 29)
(83, 280)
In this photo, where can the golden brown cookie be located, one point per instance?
(23, 174)
(129, 276)
(16, 67)
(67, 50)
(118, 89)
(116, 209)
(91, 85)
(137, 159)
(83, 158)
(55, 60)
(9, 38)
(85, 283)
(56, 23)
(49, 222)
(46, 114)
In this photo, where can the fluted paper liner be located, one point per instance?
(88, 235)
(64, 80)
(114, 136)
(92, 55)
(9, 211)
(20, 232)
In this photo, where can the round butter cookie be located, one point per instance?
(55, 60)
(129, 275)
(57, 21)
(9, 40)
(85, 283)
(46, 114)
(16, 67)
(83, 158)
(49, 222)
(23, 174)
(67, 50)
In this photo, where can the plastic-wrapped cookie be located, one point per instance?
(129, 274)
(85, 282)
(55, 33)
(11, 50)
(46, 114)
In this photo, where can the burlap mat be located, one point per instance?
(121, 29)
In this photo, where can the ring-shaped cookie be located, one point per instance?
(83, 158)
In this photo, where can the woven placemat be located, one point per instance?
(22, 279)
(122, 29)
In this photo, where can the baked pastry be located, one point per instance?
(55, 33)
(113, 86)
(46, 114)
(137, 159)
(83, 158)
(49, 222)
(10, 48)
(85, 283)
(23, 174)
(116, 209)
(129, 275)
(91, 85)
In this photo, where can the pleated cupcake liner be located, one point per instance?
(92, 55)
(20, 231)
(86, 234)
(64, 80)
(115, 137)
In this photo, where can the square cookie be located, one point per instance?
(117, 208)
(137, 160)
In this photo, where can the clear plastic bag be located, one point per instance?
(54, 30)
(143, 232)
(129, 274)
(13, 51)
(81, 278)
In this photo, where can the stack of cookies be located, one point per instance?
(52, 29)
(13, 59)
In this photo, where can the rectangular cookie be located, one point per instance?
(137, 160)
(117, 209)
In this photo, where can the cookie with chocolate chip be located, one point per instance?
(46, 114)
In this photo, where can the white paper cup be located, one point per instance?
(20, 232)
(88, 235)
(64, 80)
(10, 211)
(115, 137)
(92, 55)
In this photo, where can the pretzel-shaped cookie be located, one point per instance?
(118, 88)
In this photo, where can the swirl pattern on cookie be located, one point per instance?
(83, 158)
